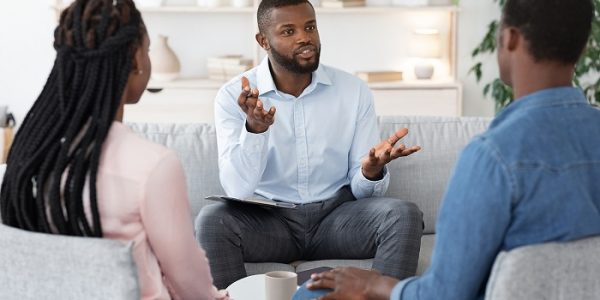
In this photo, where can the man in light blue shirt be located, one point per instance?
(294, 130)
(531, 178)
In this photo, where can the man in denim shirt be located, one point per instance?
(531, 178)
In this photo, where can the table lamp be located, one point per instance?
(425, 45)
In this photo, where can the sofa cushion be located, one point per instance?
(565, 270)
(48, 266)
(422, 177)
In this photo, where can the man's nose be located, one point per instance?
(304, 38)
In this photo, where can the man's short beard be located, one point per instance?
(292, 64)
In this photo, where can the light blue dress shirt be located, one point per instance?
(313, 149)
(531, 178)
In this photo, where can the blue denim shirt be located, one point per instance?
(532, 177)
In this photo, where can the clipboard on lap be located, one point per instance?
(258, 201)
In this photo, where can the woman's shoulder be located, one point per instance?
(126, 152)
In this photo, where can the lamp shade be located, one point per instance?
(426, 43)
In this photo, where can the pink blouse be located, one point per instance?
(142, 197)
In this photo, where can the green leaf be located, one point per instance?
(486, 89)
(476, 69)
(588, 65)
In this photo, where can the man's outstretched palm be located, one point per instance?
(383, 153)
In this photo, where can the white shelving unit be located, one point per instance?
(353, 39)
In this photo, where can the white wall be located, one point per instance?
(475, 15)
(26, 53)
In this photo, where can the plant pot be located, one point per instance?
(165, 64)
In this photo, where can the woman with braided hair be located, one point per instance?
(75, 169)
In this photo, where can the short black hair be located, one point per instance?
(263, 15)
(557, 30)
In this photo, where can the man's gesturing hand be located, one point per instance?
(258, 120)
(383, 153)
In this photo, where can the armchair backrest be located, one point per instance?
(47, 266)
(557, 270)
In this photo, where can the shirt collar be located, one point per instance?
(265, 83)
(544, 98)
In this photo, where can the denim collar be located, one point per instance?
(560, 96)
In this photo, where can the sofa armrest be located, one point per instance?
(557, 270)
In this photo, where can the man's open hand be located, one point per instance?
(258, 120)
(383, 153)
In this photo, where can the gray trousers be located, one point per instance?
(339, 228)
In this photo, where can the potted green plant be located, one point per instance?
(587, 68)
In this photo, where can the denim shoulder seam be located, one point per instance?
(495, 153)
(524, 165)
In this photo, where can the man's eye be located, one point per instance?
(288, 32)
(311, 28)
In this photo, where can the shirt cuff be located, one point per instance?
(397, 291)
(378, 187)
(253, 142)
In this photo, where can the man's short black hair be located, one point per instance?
(557, 30)
(266, 6)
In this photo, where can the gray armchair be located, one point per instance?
(47, 266)
(551, 271)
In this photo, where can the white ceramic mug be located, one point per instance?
(280, 285)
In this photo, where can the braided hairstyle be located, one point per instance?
(57, 149)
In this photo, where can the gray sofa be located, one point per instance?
(420, 178)
(547, 271)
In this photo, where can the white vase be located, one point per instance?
(165, 64)
(423, 70)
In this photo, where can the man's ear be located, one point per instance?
(512, 38)
(261, 39)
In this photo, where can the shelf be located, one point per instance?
(197, 9)
(187, 83)
(414, 85)
(384, 9)
(363, 9)
(324, 10)
(184, 9)
(203, 83)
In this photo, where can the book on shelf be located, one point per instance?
(379, 76)
(227, 67)
(229, 60)
(342, 4)
(228, 70)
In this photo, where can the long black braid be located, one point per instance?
(57, 148)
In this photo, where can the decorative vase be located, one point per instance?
(424, 70)
(165, 64)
